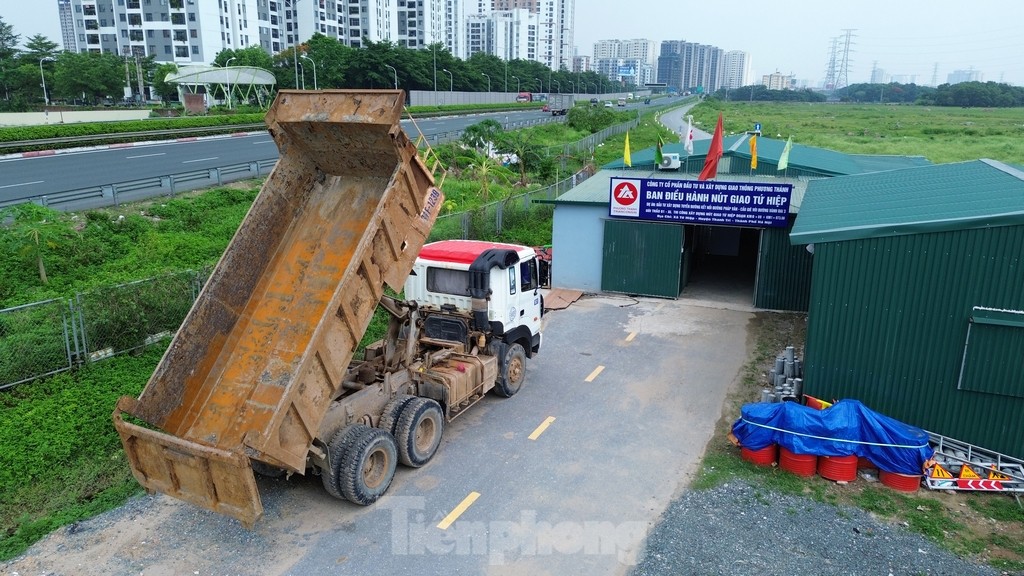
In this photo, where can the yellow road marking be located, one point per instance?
(631, 336)
(540, 429)
(454, 514)
(594, 374)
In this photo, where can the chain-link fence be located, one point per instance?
(45, 338)
(34, 341)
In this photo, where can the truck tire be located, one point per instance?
(389, 418)
(418, 432)
(367, 466)
(512, 371)
(336, 448)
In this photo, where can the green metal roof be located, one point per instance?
(975, 194)
(807, 158)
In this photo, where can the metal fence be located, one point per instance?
(46, 338)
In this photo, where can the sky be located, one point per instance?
(904, 37)
(901, 37)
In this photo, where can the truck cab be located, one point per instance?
(499, 283)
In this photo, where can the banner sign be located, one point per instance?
(749, 204)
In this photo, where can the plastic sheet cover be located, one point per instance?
(848, 427)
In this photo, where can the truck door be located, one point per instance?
(528, 300)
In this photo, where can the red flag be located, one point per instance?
(714, 153)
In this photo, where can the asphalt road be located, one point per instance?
(22, 178)
(629, 391)
(25, 178)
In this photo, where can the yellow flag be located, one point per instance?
(753, 152)
(625, 155)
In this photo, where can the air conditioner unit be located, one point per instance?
(669, 162)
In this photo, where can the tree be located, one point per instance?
(480, 134)
(38, 47)
(487, 171)
(520, 143)
(8, 41)
(166, 90)
(35, 232)
(97, 76)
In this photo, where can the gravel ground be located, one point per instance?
(739, 529)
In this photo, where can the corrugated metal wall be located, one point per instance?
(642, 258)
(887, 325)
(783, 272)
(577, 234)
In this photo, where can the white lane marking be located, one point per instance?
(199, 160)
(145, 155)
(22, 184)
(264, 142)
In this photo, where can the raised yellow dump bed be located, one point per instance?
(254, 367)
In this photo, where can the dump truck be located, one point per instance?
(560, 104)
(263, 376)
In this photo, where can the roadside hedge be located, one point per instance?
(20, 133)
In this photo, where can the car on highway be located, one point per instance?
(608, 104)
(594, 101)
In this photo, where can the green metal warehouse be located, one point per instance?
(917, 297)
(596, 252)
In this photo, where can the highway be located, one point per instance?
(23, 178)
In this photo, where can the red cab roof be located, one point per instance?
(460, 251)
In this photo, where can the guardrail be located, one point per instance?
(142, 189)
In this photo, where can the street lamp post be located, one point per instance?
(572, 86)
(517, 84)
(46, 98)
(541, 83)
(314, 70)
(451, 79)
(227, 75)
(395, 73)
(303, 76)
(488, 82)
(557, 83)
(506, 75)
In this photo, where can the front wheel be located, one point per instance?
(513, 371)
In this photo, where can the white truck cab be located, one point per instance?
(499, 283)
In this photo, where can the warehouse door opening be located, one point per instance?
(721, 263)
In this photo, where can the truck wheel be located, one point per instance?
(336, 448)
(418, 432)
(513, 371)
(367, 467)
(389, 418)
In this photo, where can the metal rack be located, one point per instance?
(958, 465)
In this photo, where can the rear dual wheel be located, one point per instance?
(361, 464)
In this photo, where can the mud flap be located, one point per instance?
(209, 477)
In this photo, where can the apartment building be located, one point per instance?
(626, 61)
(190, 31)
(735, 69)
(690, 67)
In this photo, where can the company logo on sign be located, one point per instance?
(625, 199)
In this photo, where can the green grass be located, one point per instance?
(940, 134)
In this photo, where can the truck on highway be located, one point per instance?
(263, 374)
(560, 104)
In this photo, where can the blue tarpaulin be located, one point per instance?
(848, 427)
